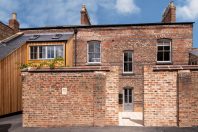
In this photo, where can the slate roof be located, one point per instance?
(194, 52)
(50, 37)
(7, 46)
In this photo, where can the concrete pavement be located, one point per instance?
(14, 124)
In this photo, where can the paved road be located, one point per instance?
(14, 124)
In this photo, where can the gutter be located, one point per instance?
(106, 25)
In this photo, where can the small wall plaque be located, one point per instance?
(64, 91)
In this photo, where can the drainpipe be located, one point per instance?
(177, 99)
(75, 50)
(65, 55)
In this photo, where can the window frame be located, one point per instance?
(46, 58)
(128, 72)
(30, 53)
(90, 42)
(170, 45)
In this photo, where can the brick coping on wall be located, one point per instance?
(175, 67)
(69, 69)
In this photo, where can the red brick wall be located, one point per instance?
(160, 98)
(92, 98)
(188, 98)
(170, 97)
(141, 39)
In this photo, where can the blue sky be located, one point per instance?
(37, 13)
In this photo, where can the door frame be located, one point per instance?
(132, 94)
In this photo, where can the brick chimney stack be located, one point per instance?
(84, 16)
(169, 15)
(13, 23)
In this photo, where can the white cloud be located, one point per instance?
(189, 11)
(36, 13)
(127, 6)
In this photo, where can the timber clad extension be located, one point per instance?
(111, 75)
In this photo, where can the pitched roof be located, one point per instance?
(7, 46)
(194, 52)
(49, 37)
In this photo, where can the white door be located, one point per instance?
(128, 99)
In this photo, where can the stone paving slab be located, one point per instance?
(16, 122)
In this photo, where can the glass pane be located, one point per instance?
(50, 52)
(35, 55)
(167, 48)
(125, 96)
(42, 52)
(166, 56)
(160, 56)
(97, 55)
(126, 67)
(31, 49)
(91, 56)
(31, 56)
(125, 56)
(97, 48)
(129, 56)
(166, 41)
(120, 98)
(130, 98)
(59, 51)
(91, 47)
(130, 92)
(130, 67)
(33, 52)
(160, 48)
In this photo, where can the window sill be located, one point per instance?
(93, 64)
(128, 74)
(164, 63)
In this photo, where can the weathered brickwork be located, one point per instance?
(91, 99)
(142, 41)
(170, 97)
(160, 98)
(5, 31)
(188, 98)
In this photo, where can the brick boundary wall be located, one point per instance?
(171, 96)
(188, 98)
(160, 92)
(91, 99)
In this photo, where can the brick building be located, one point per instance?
(124, 74)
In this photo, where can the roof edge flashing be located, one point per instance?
(11, 37)
(107, 25)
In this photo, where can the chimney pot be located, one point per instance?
(83, 8)
(14, 16)
(172, 4)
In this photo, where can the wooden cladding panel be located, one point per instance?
(10, 82)
(69, 53)
(10, 75)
